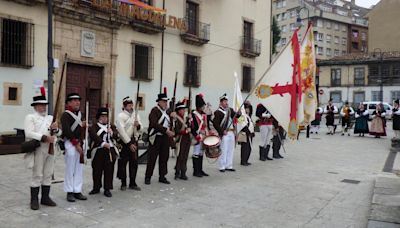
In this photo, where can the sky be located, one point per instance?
(366, 3)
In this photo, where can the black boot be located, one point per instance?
(177, 174)
(262, 154)
(70, 197)
(266, 152)
(201, 167)
(34, 198)
(196, 167)
(183, 175)
(46, 200)
(123, 184)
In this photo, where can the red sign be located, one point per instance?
(321, 92)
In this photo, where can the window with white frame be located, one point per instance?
(283, 41)
(284, 28)
(284, 16)
(336, 26)
(336, 39)
(329, 52)
(293, 13)
(344, 40)
(278, 17)
(336, 53)
(320, 37)
(320, 23)
(292, 26)
(320, 50)
(284, 3)
(328, 38)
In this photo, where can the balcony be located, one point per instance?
(196, 33)
(250, 47)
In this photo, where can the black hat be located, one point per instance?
(127, 100)
(200, 101)
(180, 105)
(346, 103)
(223, 97)
(72, 96)
(101, 111)
(162, 97)
(396, 101)
(39, 100)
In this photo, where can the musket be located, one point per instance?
(55, 112)
(82, 155)
(135, 132)
(172, 107)
(109, 137)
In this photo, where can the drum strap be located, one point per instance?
(199, 118)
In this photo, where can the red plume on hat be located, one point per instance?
(42, 91)
(165, 90)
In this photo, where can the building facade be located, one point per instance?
(336, 25)
(360, 77)
(108, 47)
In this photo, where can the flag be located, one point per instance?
(278, 89)
(309, 102)
(238, 105)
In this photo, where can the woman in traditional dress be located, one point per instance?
(378, 122)
(361, 126)
(317, 121)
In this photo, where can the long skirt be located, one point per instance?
(361, 125)
(378, 127)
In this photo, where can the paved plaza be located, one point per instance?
(324, 181)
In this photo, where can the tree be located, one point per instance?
(276, 35)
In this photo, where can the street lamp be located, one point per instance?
(380, 80)
(298, 19)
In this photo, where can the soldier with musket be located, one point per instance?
(183, 142)
(38, 127)
(128, 126)
(72, 132)
(103, 152)
(159, 139)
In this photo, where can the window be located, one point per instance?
(336, 39)
(376, 95)
(284, 28)
(292, 26)
(344, 41)
(192, 17)
(284, 3)
(336, 52)
(336, 75)
(247, 78)
(336, 96)
(320, 50)
(396, 69)
(248, 36)
(320, 37)
(358, 97)
(343, 52)
(142, 67)
(192, 70)
(344, 28)
(328, 24)
(359, 76)
(363, 36)
(12, 93)
(284, 16)
(354, 45)
(16, 43)
(293, 13)
(364, 46)
(336, 25)
(329, 52)
(394, 95)
(328, 38)
(354, 33)
(320, 23)
(141, 102)
(278, 17)
(283, 41)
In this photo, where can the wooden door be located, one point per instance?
(87, 81)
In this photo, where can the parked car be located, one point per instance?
(371, 107)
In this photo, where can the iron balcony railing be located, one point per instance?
(197, 29)
(250, 46)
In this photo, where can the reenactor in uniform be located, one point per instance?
(72, 132)
(38, 127)
(223, 123)
(265, 122)
(103, 152)
(183, 142)
(159, 139)
(128, 126)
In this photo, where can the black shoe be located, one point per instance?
(79, 196)
(135, 187)
(147, 181)
(222, 170)
(269, 159)
(164, 181)
(196, 167)
(201, 167)
(244, 164)
(107, 193)
(262, 153)
(94, 191)
(35, 198)
(183, 175)
(177, 174)
(275, 156)
(123, 188)
(204, 174)
(342, 134)
(230, 170)
(70, 197)
(46, 200)
(280, 156)
(267, 152)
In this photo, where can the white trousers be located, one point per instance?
(266, 135)
(227, 148)
(197, 150)
(73, 177)
(43, 166)
(314, 128)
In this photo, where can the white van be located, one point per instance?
(371, 107)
